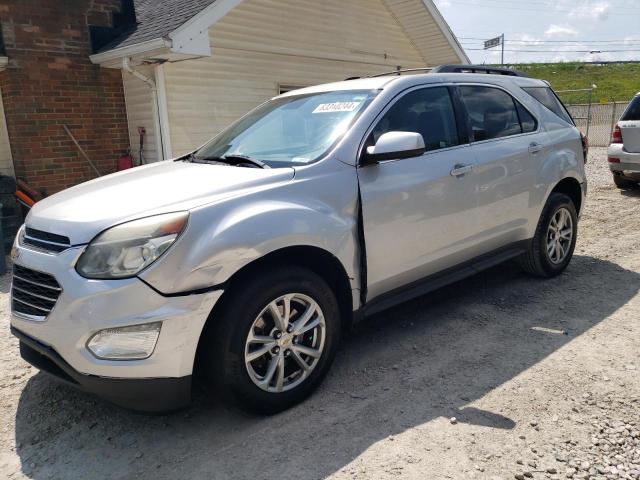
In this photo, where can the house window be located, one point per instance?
(287, 88)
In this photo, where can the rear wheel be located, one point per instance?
(275, 339)
(552, 247)
(624, 184)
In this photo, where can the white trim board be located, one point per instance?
(446, 30)
(192, 37)
(6, 159)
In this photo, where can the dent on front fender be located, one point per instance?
(223, 238)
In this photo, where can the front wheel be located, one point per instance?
(275, 339)
(553, 244)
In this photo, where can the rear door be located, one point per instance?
(507, 142)
(419, 213)
(630, 126)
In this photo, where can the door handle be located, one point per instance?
(460, 170)
(535, 147)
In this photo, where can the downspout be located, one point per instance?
(126, 66)
(163, 109)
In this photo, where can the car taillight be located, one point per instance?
(617, 135)
(585, 146)
(613, 160)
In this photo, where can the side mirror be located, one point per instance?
(395, 145)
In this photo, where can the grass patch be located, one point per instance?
(619, 82)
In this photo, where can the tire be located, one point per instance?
(538, 260)
(227, 347)
(624, 184)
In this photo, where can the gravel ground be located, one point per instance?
(500, 376)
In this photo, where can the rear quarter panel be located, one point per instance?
(563, 159)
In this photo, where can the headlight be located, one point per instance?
(136, 342)
(124, 250)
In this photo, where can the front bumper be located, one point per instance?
(146, 394)
(87, 306)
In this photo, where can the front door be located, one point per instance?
(418, 213)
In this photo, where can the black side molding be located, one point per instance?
(441, 279)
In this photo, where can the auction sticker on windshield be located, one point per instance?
(336, 107)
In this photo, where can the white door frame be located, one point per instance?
(6, 160)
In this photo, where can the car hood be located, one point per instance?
(83, 211)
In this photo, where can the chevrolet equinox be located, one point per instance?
(244, 260)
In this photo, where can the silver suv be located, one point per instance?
(243, 261)
(624, 151)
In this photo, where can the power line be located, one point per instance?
(535, 43)
(554, 4)
(622, 42)
(537, 10)
(557, 51)
(559, 47)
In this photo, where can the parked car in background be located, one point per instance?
(624, 151)
(244, 260)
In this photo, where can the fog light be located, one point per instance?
(136, 342)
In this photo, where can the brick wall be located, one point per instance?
(51, 82)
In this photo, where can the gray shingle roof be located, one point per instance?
(158, 18)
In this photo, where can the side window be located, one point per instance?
(529, 124)
(549, 99)
(428, 111)
(633, 111)
(492, 112)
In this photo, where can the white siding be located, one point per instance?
(139, 102)
(6, 163)
(265, 43)
(423, 31)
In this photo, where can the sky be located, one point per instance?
(558, 30)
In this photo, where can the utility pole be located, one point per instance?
(502, 59)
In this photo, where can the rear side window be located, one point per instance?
(495, 114)
(428, 111)
(529, 124)
(549, 99)
(633, 110)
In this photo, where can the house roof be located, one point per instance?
(178, 29)
(157, 19)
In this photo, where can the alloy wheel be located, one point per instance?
(285, 343)
(559, 236)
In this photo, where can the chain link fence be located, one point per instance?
(594, 118)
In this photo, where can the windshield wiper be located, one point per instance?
(193, 159)
(235, 160)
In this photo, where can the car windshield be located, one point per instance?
(293, 130)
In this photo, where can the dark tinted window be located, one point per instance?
(428, 112)
(492, 113)
(549, 99)
(529, 124)
(633, 110)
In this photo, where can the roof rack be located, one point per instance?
(477, 69)
(402, 70)
(451, 69)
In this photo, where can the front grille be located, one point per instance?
(49, 242)
(33, 293)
